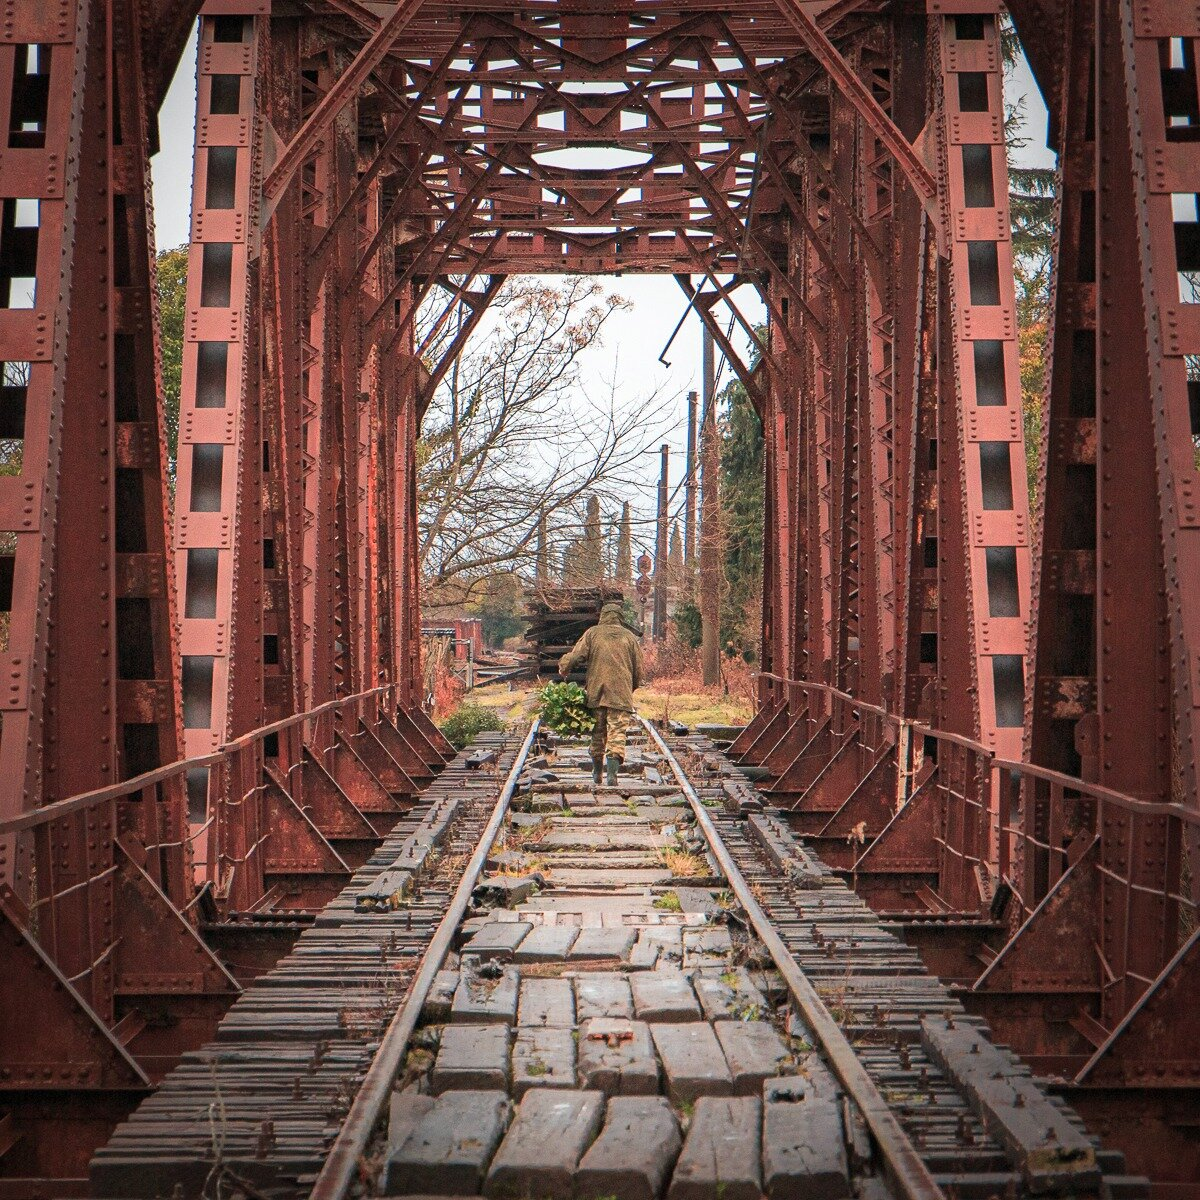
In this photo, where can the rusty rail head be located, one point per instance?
(905, 1169)
(341, 1166)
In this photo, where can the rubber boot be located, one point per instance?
(611, 763)
(597, 770)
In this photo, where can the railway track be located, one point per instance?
(537, 988)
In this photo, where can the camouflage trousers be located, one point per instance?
(612, 725)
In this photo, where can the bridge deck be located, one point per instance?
(617, 1030)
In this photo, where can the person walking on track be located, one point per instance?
(614, 673)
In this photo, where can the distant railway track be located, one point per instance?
(685, 967)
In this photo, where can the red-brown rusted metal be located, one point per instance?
(845, 158)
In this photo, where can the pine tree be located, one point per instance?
(675, 568)
(625, 547)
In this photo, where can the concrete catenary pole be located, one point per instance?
(660, 552)
(689, 491)
(710, 535)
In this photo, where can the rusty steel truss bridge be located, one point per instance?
(986, 718)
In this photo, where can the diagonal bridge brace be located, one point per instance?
(847, 82)
(339, 95)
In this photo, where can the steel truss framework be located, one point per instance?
(210, 710)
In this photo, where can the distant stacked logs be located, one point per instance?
(557, 618)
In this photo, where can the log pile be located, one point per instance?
(557, 618)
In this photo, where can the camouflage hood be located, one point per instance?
(614, 660)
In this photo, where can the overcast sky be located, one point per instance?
(634, 339)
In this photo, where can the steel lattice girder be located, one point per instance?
(436, 142)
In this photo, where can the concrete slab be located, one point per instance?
(804, 1148)
(548, 1002)
(577, 878)
(720, 1158)
(692, 1060)
(664, 995)
(544, 1144)
(729, 995)
(543, 1058)
(448, 1150)
(480, 999)
(497, 940)
(441, 997)
(546, 943)
(617, 1056)
(603, 943)
(634, 1153)
(405, 1111)
(472, 1057)
(754, 1052)
(602, 994)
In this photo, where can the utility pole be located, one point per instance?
(710, 535)
(689, 491)
(660, 552)
(542, 571)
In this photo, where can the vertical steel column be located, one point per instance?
(218, 510)
(219, 528)
(983, 540)
(1061, 729)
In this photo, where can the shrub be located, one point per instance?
(466, 721)
(563, 708)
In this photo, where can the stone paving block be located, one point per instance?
(728, 995)
(479, 999)
(664, 995)
(405, 1112)
(634, 1153)
(669, 938)
(644, 955)
(447, 1151)
(441, 997)
(497, 940)
(472, 1056)
(754, 1052)
(603, 943)
(602, 994)
(546, 943)
(804, 1149)
(720, 1158)
(546, 1002)
(692, 1060)
(543, 1145)
(617, 1056)
(704, 946)
(543, 1058)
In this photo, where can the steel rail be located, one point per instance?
(341, 1166)
(903, 1165)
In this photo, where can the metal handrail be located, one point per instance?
(116, 791)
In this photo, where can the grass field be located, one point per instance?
(678, 700)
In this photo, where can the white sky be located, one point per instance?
(634, 339)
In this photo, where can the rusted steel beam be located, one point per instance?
(340, 92)
(859, 95)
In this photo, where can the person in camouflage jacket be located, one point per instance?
(614, 672)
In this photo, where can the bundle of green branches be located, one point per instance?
(563, 708)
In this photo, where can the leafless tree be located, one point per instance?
(511, 436)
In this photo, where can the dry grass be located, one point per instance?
(513, 703)
(521, 837)
(676, 695)
(683, 864)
